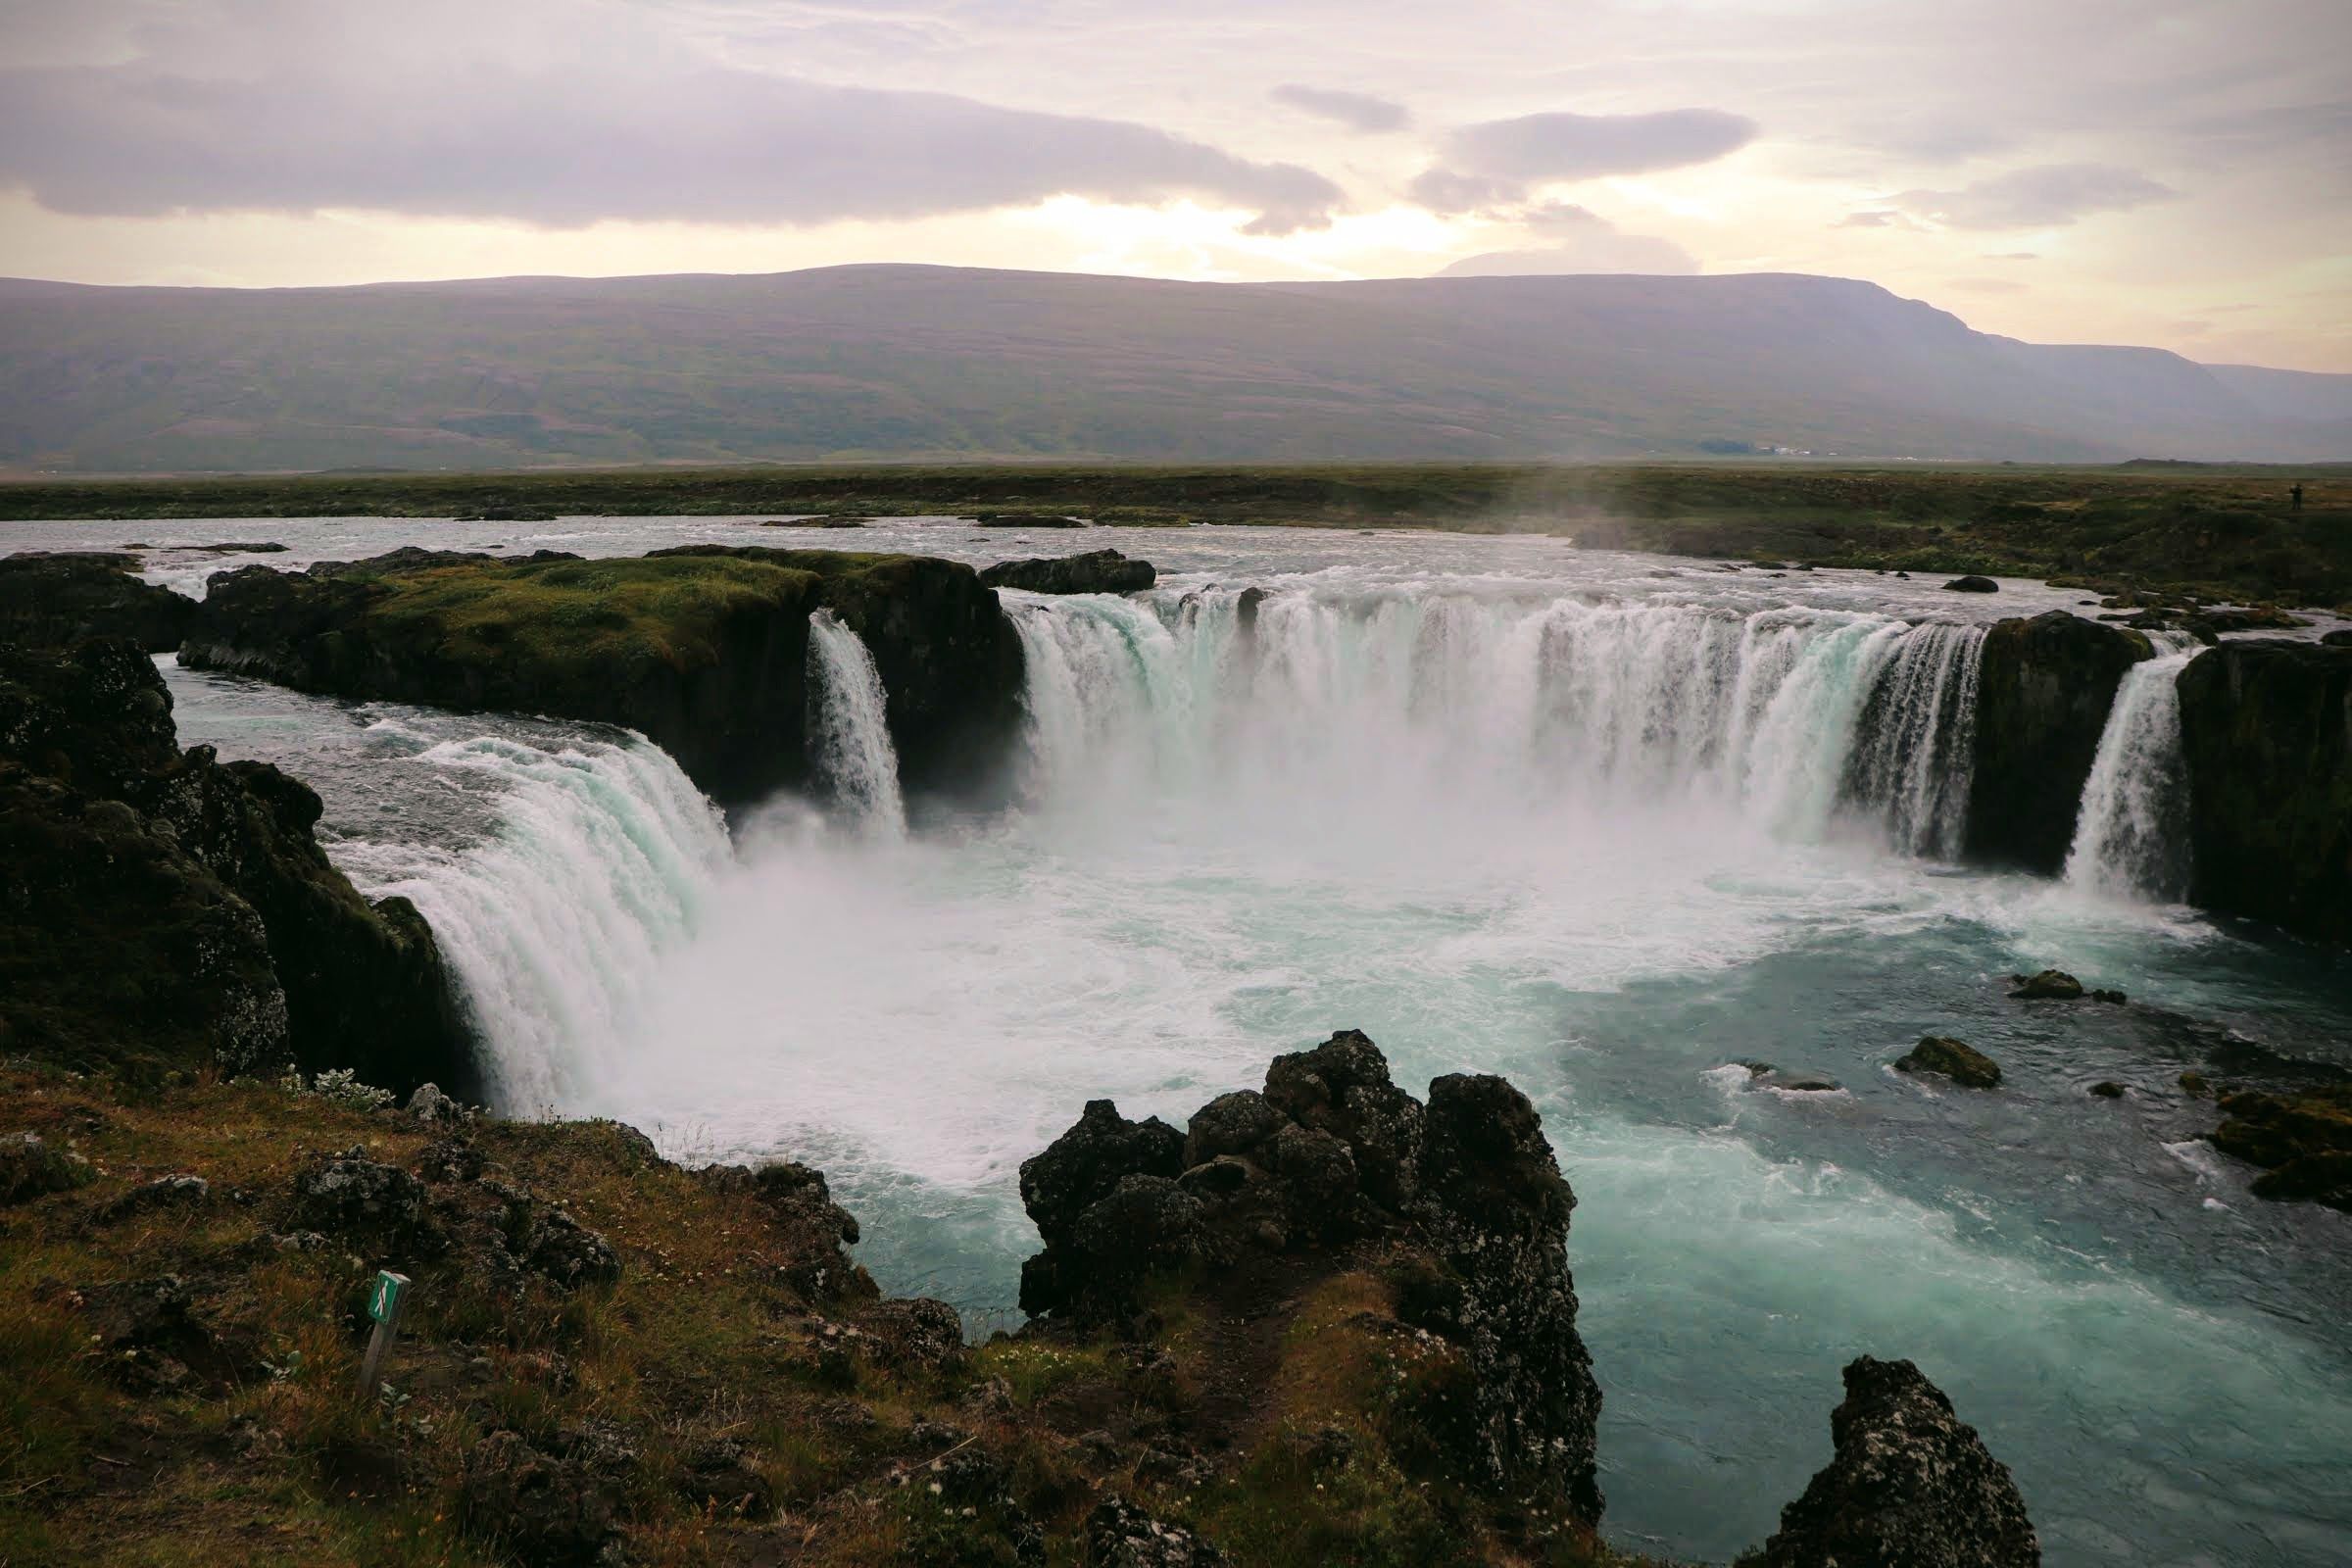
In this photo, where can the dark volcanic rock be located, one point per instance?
(355, 1199)
(52, 599)
(30, 1167)
(2050, 985)
(118, 948)
(1097, 572)
(1910, 1486)
(2303, 1141)
(551, 1513)
(1962, 1063)
(358, 985)
(2266, 733)
(1972, 584)
(1119, 1535)
(1462, 1197)
(2043, 697)
(704, 648)
(2340, 638)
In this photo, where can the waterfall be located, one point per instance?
(848, 718)
(1919, 737)
(2131, 834)
(1788, 717)
(599, 858)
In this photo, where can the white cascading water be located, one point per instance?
(849, 721)
(2131, 834)
(603, 854)
(1781, 716)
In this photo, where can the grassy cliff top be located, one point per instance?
(606, 611)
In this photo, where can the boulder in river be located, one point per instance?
(1910, 1485)
(1972, 584)
(2266, 736)
(1096, 571)
(2301, 1138)
(2044, 692)
(1955, 1059)
(49, 598)
(2050, 985)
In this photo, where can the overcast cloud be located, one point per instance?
(1358, 111)
(2164, 158)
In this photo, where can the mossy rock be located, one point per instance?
(1950, 1059)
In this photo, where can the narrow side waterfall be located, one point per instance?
(600, 858)
(2131, 835)
(1786, 718)
(849, 716)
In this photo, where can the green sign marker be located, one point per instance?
(383, 1297)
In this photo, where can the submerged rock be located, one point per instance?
(1951, 1058)
(51, 599)
(1097, 572)
(2044, 692)
(1910, 1486)
(2266, 736)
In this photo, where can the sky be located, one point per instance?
(2149, 171)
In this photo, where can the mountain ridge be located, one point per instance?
(906, 361)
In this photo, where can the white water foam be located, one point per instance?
(602, 855)
(2132, 833)
(849, 718)
(1778, 718)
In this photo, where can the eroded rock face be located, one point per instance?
(1095, 571)
(51, 599)
(2266, 733)
(1461, 1198)
(719, 679)
(1910, 1486)
(227, 849)
(2042, 695)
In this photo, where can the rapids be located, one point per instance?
(1603, 823)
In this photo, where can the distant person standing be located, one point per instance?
(2294, 498)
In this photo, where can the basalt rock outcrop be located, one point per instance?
(1459, 1199)
(49, 598)
(704, 648)
(2301, 1138)
(1096, 571)
(2044, 692)
(1955, 1059)
(1910, 1486)
(165, 905)
(2265, 734)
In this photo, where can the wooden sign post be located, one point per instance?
(386, 1297)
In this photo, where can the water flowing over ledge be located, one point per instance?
(2132, 838)
(849, 719)
(1786, 718)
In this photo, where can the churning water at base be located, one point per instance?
(847, 716)
(1602, 836)
(2132, 838)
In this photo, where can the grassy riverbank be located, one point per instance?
(2227, 532)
